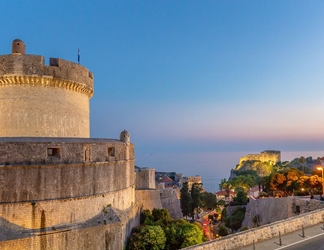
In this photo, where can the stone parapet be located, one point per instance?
(238, 240)
(31, 70)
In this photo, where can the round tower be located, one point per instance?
(18, 47)
(38, 100)
(125, 137)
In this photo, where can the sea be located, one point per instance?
(211, 166)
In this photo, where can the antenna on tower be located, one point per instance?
(78, 56)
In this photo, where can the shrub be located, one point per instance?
(222, 231)
(147, 237)
(235, 221)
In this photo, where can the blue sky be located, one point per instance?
(189, 77)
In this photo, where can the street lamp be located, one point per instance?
(321, 168)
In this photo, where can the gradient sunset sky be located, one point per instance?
(192, 81)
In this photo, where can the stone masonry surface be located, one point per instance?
(272, 230)
(39, 100)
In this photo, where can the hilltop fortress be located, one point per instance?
(272, 156)
(60, 189)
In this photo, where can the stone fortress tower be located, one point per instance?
(59, 189)
(43, 101)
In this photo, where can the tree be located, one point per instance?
(161, 214)
(244, 181)
(222, 231)
(146, 216)
(241, 197)
(146, 237)
(196, 189)
(209, 200)
(185, 200)
(235, 220)
(222, 184)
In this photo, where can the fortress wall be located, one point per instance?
(267, 210)
(14, 64)
(96, 237)
(236, 241)
(148, 199)
(29, 151)
(171, 202)
(41, 111)
(61, 181)
(53, 213)
(273, 156)
(145, 178)
(265, 156)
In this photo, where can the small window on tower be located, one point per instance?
(54, 152)
(111, 151)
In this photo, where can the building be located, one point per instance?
(191, 180)
(60, 189)
(272, 156)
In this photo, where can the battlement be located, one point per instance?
(22, 69)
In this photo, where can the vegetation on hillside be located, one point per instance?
(159, 231)
(192, 201)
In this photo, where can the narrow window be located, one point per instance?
(111, 151)
(53, 152)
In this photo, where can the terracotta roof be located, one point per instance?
(166, 179)
(222, 192)
(254, 189)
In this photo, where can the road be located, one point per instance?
(314, 240)
(311, 243)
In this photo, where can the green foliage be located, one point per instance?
(235, 220)
(161, 214)
(222, 184)
(177, 233)
(191, 235)
(261, 168)
(147, 237)
(223, 215)
(241, 197)
(222, 231)
(244, 182)
(221, 203)
(146, 216)
(181, 233)
(209, 200)
(196, 196)
(247, 172)
(185, 200)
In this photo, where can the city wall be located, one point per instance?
(148, 198)
(266, 210)
(34, 183)
(171, 202)
(31, 151)
(108, 230)
(21, 216)
(258, 234)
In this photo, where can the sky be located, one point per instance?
(196, 83)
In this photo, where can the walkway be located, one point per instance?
(287, 239)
